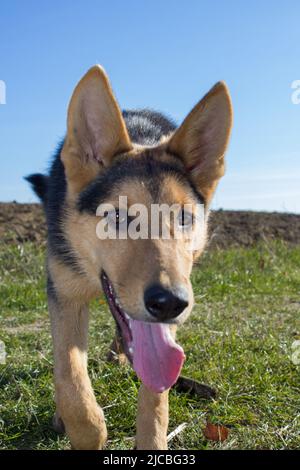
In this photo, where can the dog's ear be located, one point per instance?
(202, 139)
(96, 130)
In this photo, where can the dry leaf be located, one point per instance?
(215, 432)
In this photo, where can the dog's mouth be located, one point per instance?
(150, 347)
(120, 316)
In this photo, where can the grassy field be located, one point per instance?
(238, 340)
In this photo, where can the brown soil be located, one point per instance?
(26, 222)
(22, 222)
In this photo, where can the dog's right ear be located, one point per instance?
(96, 130)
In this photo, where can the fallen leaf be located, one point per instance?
(215, 432)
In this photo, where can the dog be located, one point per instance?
(141, 155)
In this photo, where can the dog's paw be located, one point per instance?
(58, 424)
(117, 358)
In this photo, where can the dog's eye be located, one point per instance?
(118, 218)
(185, 219)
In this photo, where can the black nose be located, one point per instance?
(164, 304)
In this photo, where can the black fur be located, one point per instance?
(59, 245)
(145, 168)
(146, 127)
(39, 183)
(51, 291)
(53, 197)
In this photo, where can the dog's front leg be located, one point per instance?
(76, 404)
(152, 420)
(153, 416)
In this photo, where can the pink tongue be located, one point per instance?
(157, 359)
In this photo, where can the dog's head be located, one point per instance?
(145, 278)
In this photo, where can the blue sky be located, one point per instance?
(164, 55)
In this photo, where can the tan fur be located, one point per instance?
(153, 416)
(75, 401)
(69, 285)
(152, 419)
(116, 352)
(168, 261)
(203, 137)
(96, 135)
(96, 131)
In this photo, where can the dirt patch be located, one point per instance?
(22, 222)
(26, 222)
(246, 228)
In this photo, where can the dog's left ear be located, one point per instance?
(96, 130)
(203, 137)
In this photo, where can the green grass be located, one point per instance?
(238, 339)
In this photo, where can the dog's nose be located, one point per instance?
(164, 304)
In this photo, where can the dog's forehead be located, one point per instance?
(145, 178)
(168, 188)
